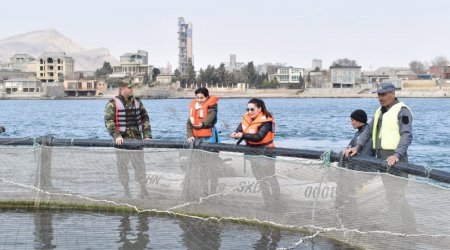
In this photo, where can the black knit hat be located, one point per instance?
(359, 115)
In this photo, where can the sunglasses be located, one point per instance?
(251, 109)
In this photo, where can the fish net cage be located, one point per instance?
(359, 202)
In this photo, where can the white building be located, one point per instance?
(288, 75)
(21, 85)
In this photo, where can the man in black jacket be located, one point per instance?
(359, 122)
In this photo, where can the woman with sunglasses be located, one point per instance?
(257, 129)
(202, 117)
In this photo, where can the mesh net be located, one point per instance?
(363, 209)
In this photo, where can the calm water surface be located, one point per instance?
(318, 124)
(321, 123)
(68, 230)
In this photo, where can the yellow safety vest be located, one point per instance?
(389, 131)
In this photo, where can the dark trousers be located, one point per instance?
(136, 159)
(201, 174)
(263, 169)
(395, 194)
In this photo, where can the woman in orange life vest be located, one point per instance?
(201, 179)
(202, 117)
(257, 129)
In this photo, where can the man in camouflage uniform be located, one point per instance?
(131, 122)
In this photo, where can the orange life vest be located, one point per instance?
(250, 126)
(197, 116)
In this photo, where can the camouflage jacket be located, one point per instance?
(132, 131)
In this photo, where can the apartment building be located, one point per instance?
(345, 76)
(54, 67)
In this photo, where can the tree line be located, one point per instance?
(222, 78)
(254, 78)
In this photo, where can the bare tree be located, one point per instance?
(417, 67)
(440, 61)
(344, 62)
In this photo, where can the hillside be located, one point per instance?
(35, 43)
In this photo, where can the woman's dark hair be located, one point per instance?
(202, 90)
(260, 104)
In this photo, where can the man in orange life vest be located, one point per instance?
(257, 128)
(126, 118)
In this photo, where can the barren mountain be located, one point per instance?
(35, 43)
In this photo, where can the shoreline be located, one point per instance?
(250, 93)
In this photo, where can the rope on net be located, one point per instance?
(326, 158)
(35, 143)
(428, 170)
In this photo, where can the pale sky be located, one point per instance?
(374, 33)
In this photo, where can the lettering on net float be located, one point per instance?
(298, 190)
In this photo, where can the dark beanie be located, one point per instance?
(359, 115)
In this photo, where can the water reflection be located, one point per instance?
(202, 172)
(137, 238)
(400, 215)
(264, 171)
(269, 239)
(397, 214)
(135, 158)
(200, 234)
(43, 230)
(68, 230)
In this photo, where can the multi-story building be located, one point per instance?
(184, 45)
(140, 57)
(54, 67)
(133, 65)
(288, 75)
(23, 62)
(232, 65)
(345, 76)
(316, 64)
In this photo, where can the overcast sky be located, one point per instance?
(374, 33)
